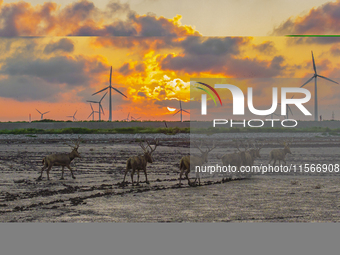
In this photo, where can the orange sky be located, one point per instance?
(153, 60)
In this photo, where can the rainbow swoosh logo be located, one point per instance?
(208, 92)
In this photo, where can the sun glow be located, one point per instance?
(171, 109)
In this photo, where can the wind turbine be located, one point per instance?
(100, 105)
(288, 109)
(127, 119)
(316, 114)
(110, 88)
(92, 113)
(133, 118)
(180, 110)
(73, 117)
(42, 114)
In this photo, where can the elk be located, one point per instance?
(252, 154)
(60, 159)
(190, 162)
(139, 162)
(280, 154)
(235, 159)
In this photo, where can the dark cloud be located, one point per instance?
(267, 48)
(322, 20)
(27, 88)
(64, 45)
(83, 18)
(141, 94)
(219, 56)
(125, 69)
(217, 46)
(43, 79)
(56, 70)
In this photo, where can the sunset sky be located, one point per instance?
(56, 54)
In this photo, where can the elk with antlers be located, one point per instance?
(235, 159)
(60, 159)
(280, 154)
(252, 154)
(190, 162)
(140, 162)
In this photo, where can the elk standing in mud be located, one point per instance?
(60, 159)
(140, 162)
(190, 162)
(252, 154)
(235, 159)
(280, 154)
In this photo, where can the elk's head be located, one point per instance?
(286, 145)
(257, 149)
(149, 150)
(205, 153)
(75, 147)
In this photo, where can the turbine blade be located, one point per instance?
(177, 112)
(46, 112)
(327, 79)
(91, 107)
(102, 97)
(101, 107)
(93, 102)
(90, 115)
(180, 104)
(118, 91)
(39, 112)
(75, 113)
(313, 63)
(308, 81)
(100, 91)
(186, 111)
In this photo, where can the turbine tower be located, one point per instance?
(100, 105)
(73, 117)
(110, 88)
(180, 110)
(42, 114)
(316, 114)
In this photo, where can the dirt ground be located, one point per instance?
(96, 195)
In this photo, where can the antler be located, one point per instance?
(156, 144)
(213, 146)
(75, 143)
(198, 147)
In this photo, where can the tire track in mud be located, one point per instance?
(106, 190)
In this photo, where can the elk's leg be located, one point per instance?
(180, 176)
(48, 171)
(284, 161)
(126, 171)
(62, 173)
(42, 170)
(146, 177)
(71, 172)
(132, 172)
(137, 177)
(187, 175)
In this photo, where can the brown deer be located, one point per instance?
(140, 162)
(60, 159)
(252, 154)
(235, 159)
(190, 162)
(280, 154)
